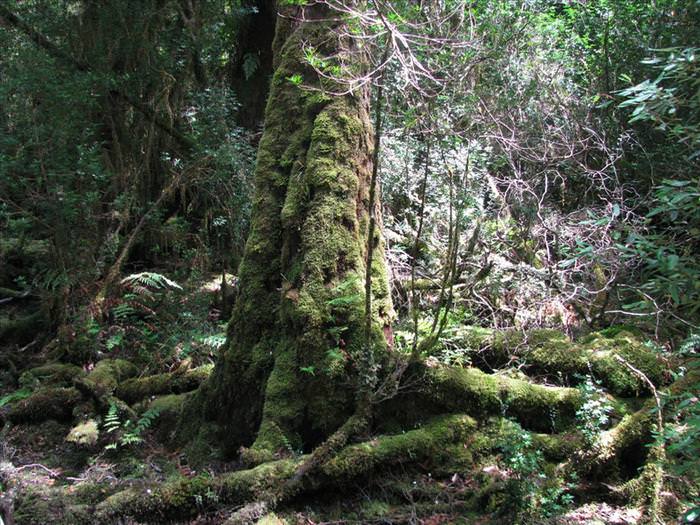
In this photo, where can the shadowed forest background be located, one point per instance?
(335, 261)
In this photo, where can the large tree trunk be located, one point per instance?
(296, 352)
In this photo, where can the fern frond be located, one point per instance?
(148, 281)
(214, 341)
(111, 422)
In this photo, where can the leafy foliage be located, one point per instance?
(533, 495)
(594, 415)
(17, 395)
(126, 433)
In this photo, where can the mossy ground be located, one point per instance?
(407, 465)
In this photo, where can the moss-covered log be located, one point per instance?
(44, 403)
(178, 382)
(53, 374)
(469, 390)
(103, 380)
(550, 353)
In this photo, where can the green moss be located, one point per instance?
(41, 504)
(551, 354)
(105, 377)
(272, 390)
(44, 403)
(53, 374)
(86, 433)
(428, 442)
(183, 498)
(135, 389)
(475, 392)
(91, 493)
(271, 519)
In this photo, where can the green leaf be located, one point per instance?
(296, 79)
(17, 395)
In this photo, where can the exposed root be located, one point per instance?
(188, 497)
(178, 382)
(536, 407)
(550, 353)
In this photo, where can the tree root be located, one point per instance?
(550, 353)
(188, 497)
(178, 382)
(469, 390)
(22, 329)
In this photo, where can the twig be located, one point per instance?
(50, 472)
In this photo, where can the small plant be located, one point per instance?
(209, 497)
(681, 431)
(311, 370)
(215, 341)
(536, 491)
(344, 295)
(594, 414)
(17, 395)
(295, 79)
(128, 432)
(145, 283)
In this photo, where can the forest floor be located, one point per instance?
(38, 459)
(56, 469)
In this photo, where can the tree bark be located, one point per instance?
(289, 374)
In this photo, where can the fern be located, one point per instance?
(146, 420)
(112, 423)
(213, 341)
(122, 311)
(346, 300)
(344, 295)
(17, 395)
(131, 432)
(144, 282)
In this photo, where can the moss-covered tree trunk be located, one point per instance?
(296, 351)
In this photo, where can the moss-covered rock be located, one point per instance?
(45, 403)
(169, 409)
(52, 374)
(85, 433)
